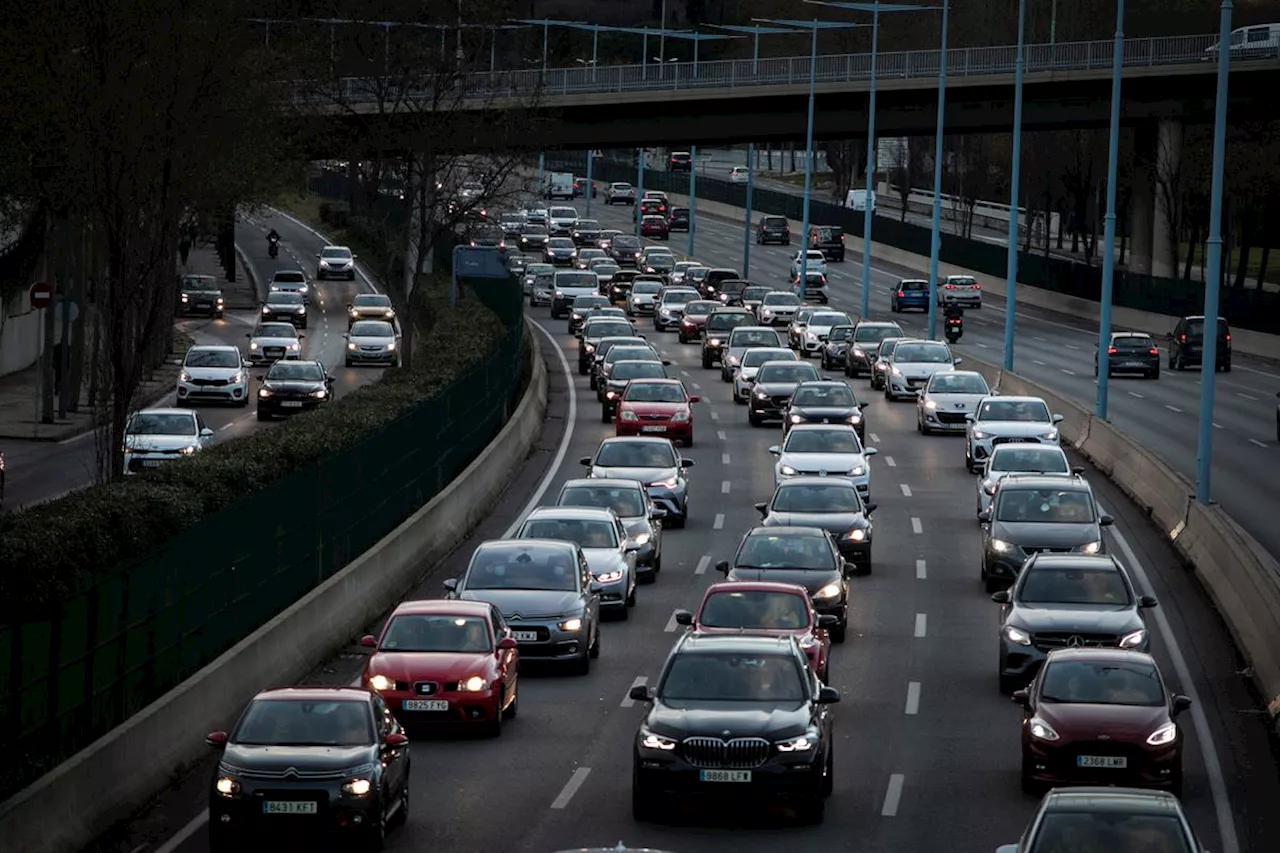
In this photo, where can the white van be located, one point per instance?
(1256, 42)
(560, 185)
(861, 200)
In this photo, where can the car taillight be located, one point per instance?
(950, 286)
(1112, 350)
(1154, 351)
(1228, 336)
(901, 294)
(1184, 338)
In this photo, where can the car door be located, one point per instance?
(395, 761)
(585, 583)
(508, 659)
(620, 531)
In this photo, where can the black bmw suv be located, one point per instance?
(735, 718)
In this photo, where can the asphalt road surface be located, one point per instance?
(39, 472)
(937, 772)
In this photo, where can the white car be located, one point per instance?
(912, 364)
(679, 270)
(1013, 459)
(290, 281)
(948, 399)
(156, 436)
(817, 263)
(739, 175)
(643, 299)
(213, 373)
(620, 193)
(744, 375)
(270, 342)
(336, 262)
(372, 342)
(777, 308)
(1008, 420)
(962, 290)
(604, 543)
(816, 330)
(824, 450)
(563, 220)
(799, 323)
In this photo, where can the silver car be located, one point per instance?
(605, 544)
(679, 270)
(372, 342)
(743, 339)
(544, 591)
(670, 309)
(270, 342)
(213, 373)
(620, 193)
(336, 262)
(655, 462)
(290, 281)
(948, 399)
(1015, 459)
(153, 437)
(824, 450)
(586, 256)
(643, 298)
(816, 330)
(744, 375)
(777, 308)
(913, 363)
(1008, 420)
(629, 500)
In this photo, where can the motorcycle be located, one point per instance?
(273, 246)
(954, 329)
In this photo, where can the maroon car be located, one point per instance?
(655, 228)
(1098, 716)
(764, 607)
(695, 319)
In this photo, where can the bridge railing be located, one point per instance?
(845, 68)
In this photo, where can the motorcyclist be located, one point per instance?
(272, 236)
(954, 311)
(273, 242)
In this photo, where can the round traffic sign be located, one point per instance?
(41, 294)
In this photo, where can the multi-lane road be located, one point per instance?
(927, 748)
(38, 472)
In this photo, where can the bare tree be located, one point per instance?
(908, 167)
(845, 160)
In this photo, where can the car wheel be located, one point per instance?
(376, 832)
(829, 772)
(707, 361)
(494, 726)
(1009, 683)
(753, 419)
(644, 806)
(582, 666)
(1155, 374)
(991, 584)
(604, 416)
(811, 812)
(350, 363)
(838, 633)
(593, 651)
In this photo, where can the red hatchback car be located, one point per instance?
(764, 607)
(1099, 716)
(659, 407)
(444, 661)
(655, 227)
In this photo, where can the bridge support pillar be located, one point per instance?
(1159, 155)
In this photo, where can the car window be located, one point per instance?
(1044, 506)
(161, 423)
(372, 329)
(297, 370)
(757, 357)
(588, 533)
(958, 383)
(421, 632)
(636, 454)
(627, 503)
(212, 358)
(801, 497)
(1108, 832)
(867, 334)
(913, 285)
(755, 610)
(822, 441)
(590, 302)
(639, 370)
(299, 722)
(728, 677)
(675, 297)
(722, 321)
(545, 569)
(607, 329)
(1102, 683)
(775, 551)
(284, 298)
(1029, 459)
(289, 277)
(822, 319)
(653, 392)
(700, 308)
(646, 287)
(776, 298)
(577, 279)
(1054, 585)
(787, 373)
(922, 354)
(633, 353)
(1021, 411)
(371, 300)
(276, 330)
(753, 338)
(824, 395)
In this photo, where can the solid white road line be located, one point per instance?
(641, 681)
(571, 787)
(671, 623)
(892, 796)
(703, 563)
(906, 490)
(1255, 441)
(916, 526)
(1173, 408)
(1246, 396)
(888, 460)
(724, 487)
(183, 834)
(922, 621)
(913, 697)
(719, 522)
(570, 421)
(920, 570)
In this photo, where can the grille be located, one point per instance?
(425, 688)
(1031, 549)
(743, 753)
(294, 773)
(998, 441)
(653, 417)
(1069, 640)
(780, 401)
(371, 349)
(915, 381)
(951, 417)
(210, 382)
(817, 473)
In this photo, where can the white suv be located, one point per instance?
(1008, 420)
(335, 262)
(620, 193)
(817, 263)
(213, 374)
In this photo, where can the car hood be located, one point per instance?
(1085, 618)
(1013, 429)
(655, 408)
(1086, 722)
(833, 462)
(675, 306)
(842, 412)
(534, 238)
(637, 526)
(955, 402)
(1034, 534)
(159, 442)
(305, 758)
(293, 385)
(770, 720)
(643, 297)
(601, 560)
(434, 666)
(820, 330)
(336, 262)
(777, 388)
(212, 372)
(833, 522)
(578, 289)
(923, 368)
(281, 306)
(371, 341)
(371, 310)
(274, 342)
(644, 475)
(193, 294)
(528, 603)
(811, 579)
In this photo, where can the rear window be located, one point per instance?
(774, 221)
(721, 321)
(1195, 328)
(913, 285)
(829, 233)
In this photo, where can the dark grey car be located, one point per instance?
(830, 503)
(1067, 601)
(630, 501)
(655, 462)
(776, 381)
(1031, 515)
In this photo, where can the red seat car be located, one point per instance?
(445, 661)
(659, 407)
(764, 607)
(655, 228)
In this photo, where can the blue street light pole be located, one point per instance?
(639, 188)
(693, 195)
(1109, 229)
(1011, 282)
(590, 188)
(935, 242)
(1213, 269)
(746, 228)
(542, 166)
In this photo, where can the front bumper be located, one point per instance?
(136, 461)
(277, 405)
(613, 595)
(207, 391)
(1153, 767)
(1002, 565)
(285, 317)
(667, 321)
(551, 643)
(641, 307)
(661, 774)
(858, 553)
(769, 407)
(463, 708)
(902, 386)
(949, 421)
(243, 816)
(190, 309)
(347, 272)
(270, 355)
(713, 353)
(674, 501)
(362, 355)
(676, 431)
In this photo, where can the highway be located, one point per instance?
(937, 772)
(39, 472)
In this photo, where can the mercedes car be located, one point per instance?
(605, 544)
(630, 501)
(290, 387)
(829, 503)
(947, 400)
(1008, 420)
(655, 462)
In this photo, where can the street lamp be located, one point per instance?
(813, 27)
(1109, 230)
(1015, 177)
(935, 236)
(868, 214)
(547, 24)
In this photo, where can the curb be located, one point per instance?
(250, 272)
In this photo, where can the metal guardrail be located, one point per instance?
(845, 68)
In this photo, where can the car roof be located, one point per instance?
(1113, 799)
(524, 544)
(575, 512)
(634, 439)
(1067, 562)
(1039, 481)
(214, 347)
(817, 427)
(797, 532)
(1009, 398)
(656, 380)
(604, 483)
(879, 324)
(814, 481)
(450, 606)
(166, 411)
(824, 383)
(756, 586)
(1102, 655)
(345, 248)
(317, 694)
(695, 643)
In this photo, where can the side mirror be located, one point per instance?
(395, 740)
(695, 399)
(369, 641)
(1180, 703)
(1057, 419)
(828, 696)
(862, 404)
(1001, 597)
(507, 644)
(248, 335)
(762, 508)
(657, 513)
(869, 507)
(686, 463)
(869, 451)
(722, 566)
(985, 516)
(217, 740)
(303, 337)
(827, 621)
(1022, 697)
(262, 377)
(957, 361)
(586, 460)
(666, 363)
(1106, 521)
(776, 450)
(206, 432)
(846, 568)
(968, 418)
(451, 584)
(1079, 472)
(329, 380)
(1148, 601)
(684, 617)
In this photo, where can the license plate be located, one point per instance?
(725, 775)
(292, 404)
(425, 704)
(1108, 762)
(525, 636)
(150, 463)
(653, 429)
(1132, 364)
(288, 807)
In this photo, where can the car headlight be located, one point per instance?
(760, 395)
(680, 417)
(1134, 639)
(570, 625)
(320, 395)
(858, 352)
(577, 316)
(856, 535)
(302, 309)
(629, 416)
(857, 471)
(787, 471)
(303, 289)
(390, 313)
(590, 348)
(237, 379)
(1042, 730)
(253, 344)
(266, 310)
(610, 395)
(989, 488)
(381, 682)
(1049, 435)
(1017, 635)
(895, 371)
(352, 347)
(830, 591)
(795, 419)
(1090, 547)
(263, 393)
(474, 684)
(650, 740)
(188, 450)
(185, 298)
(804, 743)
(226, 786)
(930, 404)
(559, 295)
(980, 435)
(713, 342)
(184, 376)
(855, 419)
(666, 484)
(295, 347)
(642, 539)
(610, 577)
(734, 360)
(811, 336)
(1167, 733)
(357, 787)
(1000, 546)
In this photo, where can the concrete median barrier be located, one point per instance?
(80, 799)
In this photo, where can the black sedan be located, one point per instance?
(290, 387)
(1131, 352)
(825, 402)
(302, 761)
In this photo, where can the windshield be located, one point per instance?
(700, 309)
(639, 370)
(913, 285)
(732, 678)
(886, 348)
(157, 423)
(754, 338)
(755, 293)
(1051, 585)
(560, 243)
(414, 632)
(212, 358)
(1099, 683)
(1109, 832)
(868, 334)
(625, 242)
(654, 392)
(636, 454)
(781, 299)
(837, 396)
(604, 330)
(822, 441)
(961, 281)
(757, 357)
(828, 319)
(276, 330)
(633, 353)
(840, 333)
(199, 282)
(759, 610)
(1139, 341)
(646, 287)
(627, 503)
(298, 722)
(787, 373)
(535, 230)
(1011, 457)
(798, 497)
(289, 277)
(588, 225)
(790, 551)
(371, 300)
(577, 279)
(1044, 506)
(285, 298)
(563, 213)
(958, 383)
(590, 302)
(922, 354)
(539, 269)
(543, 569)
(587, 533)
(372, 329)
(1022, 411)
(723, 321)
(299, 370)
(677, 297)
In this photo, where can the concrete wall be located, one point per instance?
(19, 335)
(73, 804)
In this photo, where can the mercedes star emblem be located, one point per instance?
(1075, 641)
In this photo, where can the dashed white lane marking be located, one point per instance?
(1255, 441)
(641, 681)
(983, 346)
(1135, 394)
(922, 622)
(684, 373)
(724, 487)
(888, 460)
(1072, 346)
(1173, 408)
(892, 796)
(724, 458)
(1245, 396)
(704, 562)
(721, 435)
(1041, 363)
(920, 570)
(875, 439)
(719, 522)
(671, 623)
(715, 416)
(916, 526)
(913, 697)
(906, 490)
(571, 787)
(697, 387)
(1218, 426)
(1068, 372)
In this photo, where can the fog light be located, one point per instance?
(226, 818)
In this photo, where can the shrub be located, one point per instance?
(326, 212)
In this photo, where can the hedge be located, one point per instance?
(53, 550)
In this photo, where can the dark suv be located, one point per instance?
(680, 161)
(710, 284)
(679, 219)
(773, 229)
(715, 334)
(734, 719)
(828, 239)
(1186, 344)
